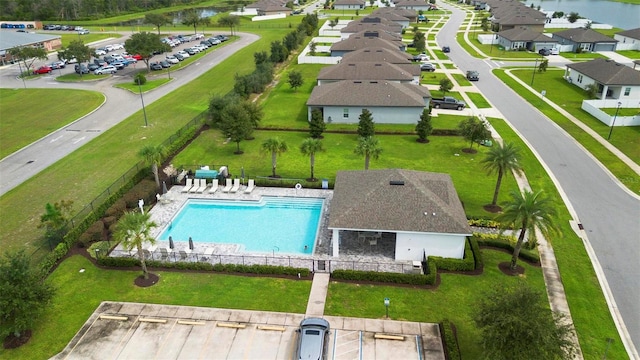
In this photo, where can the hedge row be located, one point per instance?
(450, 341)
(484, 223)
(394, 278)
(507, 243)
(261, 269)
(467, 263)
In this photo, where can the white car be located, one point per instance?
(201, 47)
(100, 52)
(118, 46)
(555, 51)
(195, 49)
(109, 69)
(108, 48)
(172, 59)
(183, 53)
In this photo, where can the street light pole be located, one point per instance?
(613, 123)
(142, 99)
(534, 71)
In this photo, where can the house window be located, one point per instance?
(580, 79)
(345, 113)
(627, 91)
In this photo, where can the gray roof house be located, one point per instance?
(348, 4)
(516, 38)
(403, 17)
(614, 80)
(585, 39)
(628, 39)
(389, 102)
(376, 53)
(416, 5)
(418, 213)
(360, 42)
(367, 70)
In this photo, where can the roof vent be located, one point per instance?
(396, 182)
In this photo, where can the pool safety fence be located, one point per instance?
(313, 264)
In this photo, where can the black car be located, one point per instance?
(427, 67)
(179, 57)
(93, 66)
(446, 49)
(473, 75)
(99, 62)
(155, 66)
(165, 64)
(222, 38)
(81, 68)
(544, 52)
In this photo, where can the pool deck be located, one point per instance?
(352, 250)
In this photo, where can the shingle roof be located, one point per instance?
(364, 71)
(369, 93)
(520, 34)
(633, 33)
(11, 39)
(403, 3)
(356, 27)
(408, 13)
(358, 42)
(376, 53)
(349, 2)
(608, 72)
(427, 202)
(580, 35)
(520, 19)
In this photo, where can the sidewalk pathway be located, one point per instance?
(318, 294)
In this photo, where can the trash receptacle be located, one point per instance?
(325, 183)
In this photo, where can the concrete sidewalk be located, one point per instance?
(318, 294)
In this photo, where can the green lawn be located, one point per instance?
(23, 123)
(582, 56)
(461, 80)
(432, 78)
(149, 85)
(478, 100)
(67, 37)
(631, 54)
(73, 305)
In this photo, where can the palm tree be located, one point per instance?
(311, 146)
(153, 155)
(502, 159)
(275, 146)
(529, 211)
(369, 147)
(132, 230)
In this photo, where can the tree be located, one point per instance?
(28, 55)
(156, 19)
(312, 48)
(230, 21)
(216, 105)
(528, 211)
(295, 80)
(76, 50)
(418, 41)
(424, 126)
(484, 23)
(333, 23)
(316, 125)
(543, 65)
(24, 294)
(557, 14)
(592, 91)
(573, 17)
(473, 130)
(502, 160)
(236, 123)
(369, 147)
(191, 17)
(310, 147)
(55, 220)
(132, 230)
(279, 52)
(516, 324)
(145, 44)
(260, 57)
(275, 146)
(445, 86)
(153, 155)
(366, 126)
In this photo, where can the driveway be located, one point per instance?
(119, 105)
(609, 213)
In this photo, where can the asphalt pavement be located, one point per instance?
(608, 212)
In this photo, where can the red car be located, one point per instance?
(43, 70)
(137, 57)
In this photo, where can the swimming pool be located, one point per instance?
(274, 224)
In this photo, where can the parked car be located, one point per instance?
(155, 66)
(183, 53)
(446, 49)
(100, 52)
(119, 65)
(108, 59)
(179, 56)
(214, 40)
(83, 32)
(448, 102)
(171, 59)
(81, 68)
(43, 70)
(99, 62)
(93, 67)
(222, 38)
(313, 339)
(555, 51)
(473, 75)
(138, 57)
(427, 67)
(109, 69)
(421, 57)
(206, 43)
(544, 52)
(71, 61)
(58, 65)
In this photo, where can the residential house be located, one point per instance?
(416, 5)
(389, 102)
(360, 42)
(396, 14)
(368, 70)
(379, 54)
(373, 22)
(355, 27)
(524, 38)
(614, 80)
(509, 14)
(418, 213)
(269, 7)
(349, 4)
(628, 40)
(585, 40)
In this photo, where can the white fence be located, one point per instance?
(305, 58)
(269, 17)
(593, 107)
(580, 23)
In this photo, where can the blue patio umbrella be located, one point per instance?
(171, 243)
(190, 243)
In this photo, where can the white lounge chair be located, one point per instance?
(196, 186)
(236, 185)
(214, 186)
(164, 252)
(227, 187)
(183, 255)
(188, 186)
(250, 186)
(203, 186)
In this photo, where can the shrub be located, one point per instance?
(395, 278)
(96, 231)
(139, 79)
(477, 254)
(505, 242)
(120, 261)
(484, 223)
(117, 209)
(465, 264)
(450, 340)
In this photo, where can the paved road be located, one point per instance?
(609, 213)
(119, 105)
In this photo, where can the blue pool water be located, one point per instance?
(282, 225)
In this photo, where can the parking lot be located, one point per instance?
(146, 331)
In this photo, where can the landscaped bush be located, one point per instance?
(145, 189)
(96, 231)
(477, 254)
(467, 263)
(484, 223)
(261, 269)
(120, 261)
(117, 209)
(395, 278)
(450, 341)
(506, 242)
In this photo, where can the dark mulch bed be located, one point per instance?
(505, 267)
(425, 141)
(469, 151)
(12, 342)
(492, 208)
(151, 280)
